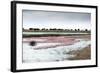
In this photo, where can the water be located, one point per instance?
(59, 53)
(41, 33)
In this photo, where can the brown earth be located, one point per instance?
(81, 54)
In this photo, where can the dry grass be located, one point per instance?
(81, 54)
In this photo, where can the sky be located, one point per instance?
(55, 19)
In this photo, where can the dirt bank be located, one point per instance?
(82, 54)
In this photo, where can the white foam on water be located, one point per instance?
(59, 53)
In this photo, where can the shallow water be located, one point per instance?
(39, 33)
(59, 53)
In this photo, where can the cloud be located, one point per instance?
(50, 19)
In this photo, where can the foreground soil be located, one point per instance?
(81, 54)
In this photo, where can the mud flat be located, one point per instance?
(57, 48)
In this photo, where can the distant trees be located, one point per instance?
(78, 29)
(60, 29)
(30, 28)
(52, 29)
(75, 29)
(34, 29)
(43, 29)
(86, 30)
(56, 29)
(71, 30)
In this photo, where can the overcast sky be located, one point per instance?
(52, 19)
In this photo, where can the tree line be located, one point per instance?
(55, 29)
